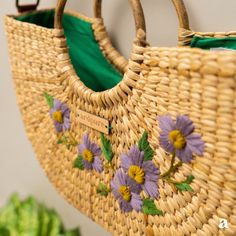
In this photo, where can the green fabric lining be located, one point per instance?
(89, 62)
(208, 43)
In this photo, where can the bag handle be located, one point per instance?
(182, 14)
(179, 6)
(26, 7)
(135, 4)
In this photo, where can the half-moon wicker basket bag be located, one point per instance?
(142, 147)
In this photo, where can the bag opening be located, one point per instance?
(208, 43)
(89, 62)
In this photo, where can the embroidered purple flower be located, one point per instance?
(126, 191)
(178, 138)
(90, 153)
(143, 173)
(60, 114)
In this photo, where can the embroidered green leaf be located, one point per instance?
(78, 163)
(106, 148)
(59, 141)
(144, 145)
(189, 179)
(49, 100)
(184, 187)
(149, 208)
(62, 139)
(103, 190)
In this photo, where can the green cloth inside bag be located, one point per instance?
(213, 43)
(89, 62)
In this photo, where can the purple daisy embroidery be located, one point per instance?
(126, 191)
(143, 173)
(60, 114)
(90, 152)
(178, 138)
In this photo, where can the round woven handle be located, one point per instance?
(136, 7)
(179, 6)
(137, 11)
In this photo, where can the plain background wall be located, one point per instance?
(19, 169)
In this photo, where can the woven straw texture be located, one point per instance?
(157, 81)
(186, 35)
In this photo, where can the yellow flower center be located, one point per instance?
(125, 193)
(57, 116)
(177, 138)
(88, 155)
(136, 173)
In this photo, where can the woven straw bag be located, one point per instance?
(154, 154)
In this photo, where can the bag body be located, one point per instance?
(157, 82)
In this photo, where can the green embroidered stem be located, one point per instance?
(172, 168)
(172, 160)
(62, 139)
(176, 166)
(172, 181)
(69, 141)
(183, 185)
(72, 139)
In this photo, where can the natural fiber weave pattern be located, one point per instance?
(108, 50)
(157, 81)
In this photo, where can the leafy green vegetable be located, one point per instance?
(78, 163)
(73, 232)
(44, 219)
(185, 185)
(49, 99)
(144, 145)
(4, 231)
(28, 215)
(103, 190)
(8, 215)
(55, 225)
(106, 148)
(149, 208)
(20, 218)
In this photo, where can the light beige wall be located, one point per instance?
(19, 170)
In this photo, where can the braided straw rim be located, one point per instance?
(122, 90)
